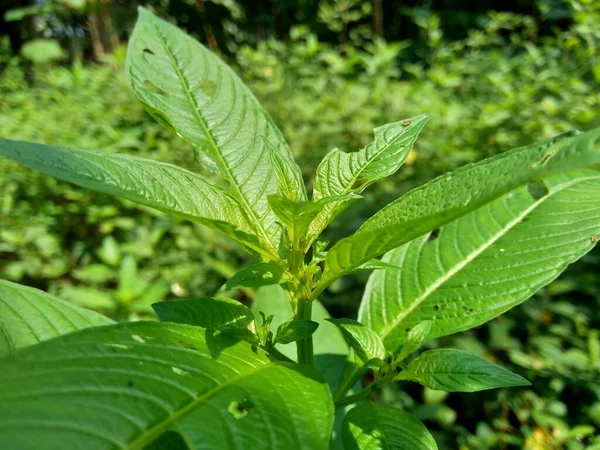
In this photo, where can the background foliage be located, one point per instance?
(328, 71)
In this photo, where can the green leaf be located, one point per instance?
(256, 275)
(374, 264)
(289, 178)
(297, 216)
(453, 370)
(126, 385)
(371, 426)
(196, 95)
(295, 330)
(208, 312)
(414, 338)
(29, 316)
(457, 193)
(152, 183)
(343, 173)
(364, 341)
(479, 266)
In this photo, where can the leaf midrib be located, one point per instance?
(458, 267)
(154, 432)
(243, 200)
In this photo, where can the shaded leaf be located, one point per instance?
(295, 330)
(364, 341)
(371, 426)
(126, 385)
(29, 316)
(256, 275)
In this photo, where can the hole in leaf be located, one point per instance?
(398, 369)
(433, 235)
(465, 308)
(537, 189)
(148, 51)
(240, 409)
(130, 383)
(436, 308)
(408, 329)
(471, 310)
(169, 439)
(209, 87)
(153, 88)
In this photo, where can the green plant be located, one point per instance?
(459, 251)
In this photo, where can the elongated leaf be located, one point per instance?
(127, 385)
(295, 330)
(453, 370)
(371, 426)
(414, 338)
(458, 193)
(486, 262)
(343, 173)
(365, 342)
(29, 316)
(195, 94)
(152, 183)
(212, 313)
(289, 178)
(256, 275)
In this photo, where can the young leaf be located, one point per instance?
(196, 95)
(289, 178)
(29, 316)
(152, 183)
(371, 426)
(414, 338)
(457, 193)
(256, 275)
(295, 330)
(342, 173)
(364, 341)
(453, 370)
(127, 385)
(211, 313)
(481, 265)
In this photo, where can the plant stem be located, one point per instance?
(354, 398)
(305, 346)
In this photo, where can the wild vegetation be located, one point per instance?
(504, 85)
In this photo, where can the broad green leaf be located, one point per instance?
(365, 342)
(29, 316)
(414, 338)
(479, 266)
(453, 370)
(294, 330)
(371, 426)
(457, 193)
(152, 183)
(256, 275)
(196, 95)
(126, 385)
(208, 312)
(342, 173)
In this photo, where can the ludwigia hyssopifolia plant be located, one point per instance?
(456, 252)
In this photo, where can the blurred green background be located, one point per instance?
(494, 75)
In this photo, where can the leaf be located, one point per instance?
(152, 183)
(196, 95)
(374, 264)
(289, 178)
(29, 316)
(483, 264)
(297, 216)
(343, 173)
(371, 426)
(294, 330)
(208, 312)
(364, 341)
(126, 385)
(414, 338)
(256, 275)
(453, 370)
(457, 193)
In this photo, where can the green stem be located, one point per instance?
(354, 398)
(305, 346)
